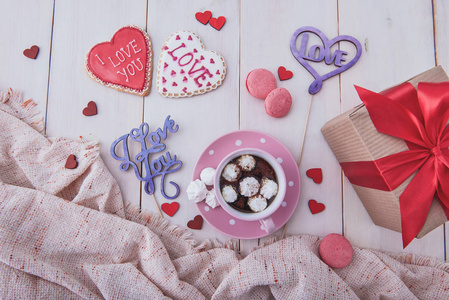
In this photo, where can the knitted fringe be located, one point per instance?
(24, 110)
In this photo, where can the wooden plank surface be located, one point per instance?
(32, 25)
(203, 118)
(398, 43)
(78, 26)
(441, 22)
(393, 53)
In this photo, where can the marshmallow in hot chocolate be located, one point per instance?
(229, 193)
(207, 175)
(247, 162)
(249, 186)
(231, 172)
(257, 203)
(268, 188)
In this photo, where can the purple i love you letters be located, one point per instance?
(318, 53)
(161, 166)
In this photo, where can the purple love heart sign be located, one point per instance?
(318, 53)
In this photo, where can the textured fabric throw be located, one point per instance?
(66, 234)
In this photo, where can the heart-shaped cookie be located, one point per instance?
(170, 208)
(31, 52)
(316, 207)
(186, 69)
(124, 63)
(316, 174)
(90, 109)
(196, 223)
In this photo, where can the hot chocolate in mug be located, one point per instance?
(262, 169)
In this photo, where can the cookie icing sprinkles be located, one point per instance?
(186, 68)
(161, 166)
(124, 63)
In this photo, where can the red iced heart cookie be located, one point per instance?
(71, 162)
(31, 52)
(170, 208)
(284, 74)
(186, 69)
(124, 63)
(203, 17)
(196, 223)
(316, 174)
(217, 23)
(90, 109)
(316, 207)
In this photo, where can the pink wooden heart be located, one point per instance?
(186, 68)
(90, 109)
(71, 162)
(124, 63)
(31, 52)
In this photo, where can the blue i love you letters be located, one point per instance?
(150, 143)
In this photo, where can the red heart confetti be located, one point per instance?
(204, 17)
(217, 23)
(124, 63)
(31, 52)
(90, 109)
(196, 223)
(284, 74)
(316, 207)
(71, 162)
(170, 208)
(316, 174)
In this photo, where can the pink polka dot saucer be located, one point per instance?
(217, 150)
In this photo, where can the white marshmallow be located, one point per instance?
(247, 162)
(196, 191)
(249, 186)
(229, 193)
(207, 176)
(211, 199)
(257, 203)
(231, 172)
(269, 188)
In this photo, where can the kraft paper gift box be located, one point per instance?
(353, 137)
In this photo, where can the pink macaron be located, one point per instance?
(278, 103)
(260, 82)
(336, 251)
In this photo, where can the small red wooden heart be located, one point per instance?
(284, 74)
(204, 17)
(316, 174)
(196, 223)
(217, 23)
(170, 208)
(90, 109)
(71, 162)
(31, 52)
(316, 207)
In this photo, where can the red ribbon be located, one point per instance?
(419, 117)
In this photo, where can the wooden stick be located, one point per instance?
(301, 150)
(157, 205)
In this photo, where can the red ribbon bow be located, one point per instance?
(419, 117)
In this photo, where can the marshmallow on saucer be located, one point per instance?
(211, 199)
(196, 191)
(207, 175)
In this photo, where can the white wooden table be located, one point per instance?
(400, 38)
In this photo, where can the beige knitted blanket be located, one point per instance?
(66, 234)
